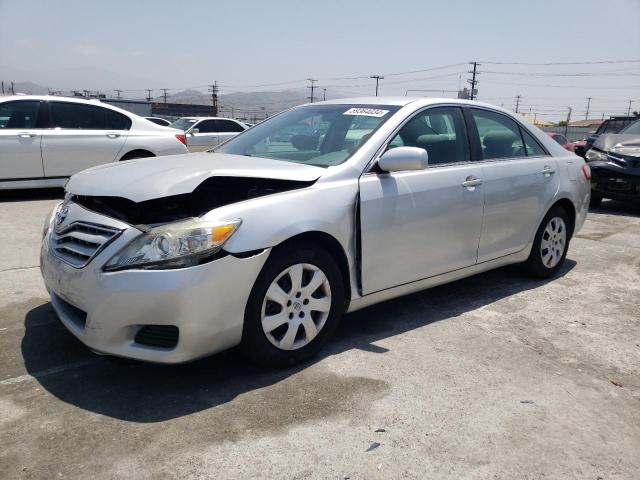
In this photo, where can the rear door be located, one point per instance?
(205, 138)
(20, 138)
(520, 180)
(81, 136)
(227, 129)
(418, 224)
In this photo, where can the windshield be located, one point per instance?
(321, 135)
(633, 129)
(183, 124)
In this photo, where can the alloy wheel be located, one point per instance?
(296, 306)
(554, 239)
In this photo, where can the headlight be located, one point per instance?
(596, 155)
(631, 151)
(48, 221)
(176, 245)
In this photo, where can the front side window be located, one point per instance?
(20, 114)
(322, 135)
(440, 131)
(499, 135)
(207, 126)
(228, 126)
(183, 124)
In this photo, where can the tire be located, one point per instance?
(136, 154)
(550, 245)
(595, 201)
(287, 335)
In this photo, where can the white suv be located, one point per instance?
(204, 133)
(46, 139)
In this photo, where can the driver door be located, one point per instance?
(417, 224)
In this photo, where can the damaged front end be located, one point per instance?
(212, 193)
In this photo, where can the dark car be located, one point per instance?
(610, 125)
(615, 166)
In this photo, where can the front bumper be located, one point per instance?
(106, 310)
(609, 180)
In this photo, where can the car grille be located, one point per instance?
(80, 242)
(162, 336)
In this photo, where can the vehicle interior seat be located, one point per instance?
(498, 144)
(441, 148)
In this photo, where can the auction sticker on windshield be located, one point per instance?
(368, 112)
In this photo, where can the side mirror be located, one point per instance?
(404, 158)
(193, 131)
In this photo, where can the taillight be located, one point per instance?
(182, 138)
(587, 172)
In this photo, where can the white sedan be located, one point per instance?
(204, 133)
(46, 139)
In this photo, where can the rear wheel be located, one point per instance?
(294, 307)
(550, 244)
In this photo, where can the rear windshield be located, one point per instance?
(321, 135)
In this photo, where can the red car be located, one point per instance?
(562, 140)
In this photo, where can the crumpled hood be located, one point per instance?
(608, 141)
(156, 177)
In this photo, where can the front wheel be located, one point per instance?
(294, 307)
(550, 244)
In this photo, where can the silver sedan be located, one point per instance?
(324, 209)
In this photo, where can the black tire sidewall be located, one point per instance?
(534, 264)
(254, 341)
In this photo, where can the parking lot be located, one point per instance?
(496, 376)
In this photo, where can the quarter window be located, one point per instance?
(499, 135)
(560, 139)
(21, 114)
(440, 131)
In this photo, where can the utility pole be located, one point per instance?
(324, 94)
(566, 125)
(2, 82)
(518, 97)
(164, 94)
(586, 116)
(118, 92)
(213, 90)
(149, 98)
(628, 110)
(312, 87)
(377, 78)
(473, 80)
(13, 89)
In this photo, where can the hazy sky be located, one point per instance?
(168, 44)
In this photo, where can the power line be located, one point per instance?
(597, 62)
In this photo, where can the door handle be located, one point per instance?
(27, 134)
(547, 170)
(113, 135)
(472, 181)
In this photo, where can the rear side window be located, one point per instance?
(499, 135)
(228, 126)
(86, 117)
(532, 146)
(440, 131)
(20, 114)
(207, 126)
